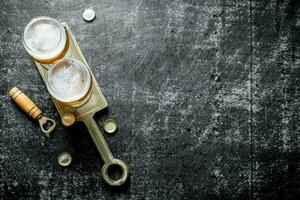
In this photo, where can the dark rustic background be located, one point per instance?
(206, 94)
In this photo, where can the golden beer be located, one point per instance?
(69, 81)
(45, 39)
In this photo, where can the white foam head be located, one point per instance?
(44, 38)
(68, 80)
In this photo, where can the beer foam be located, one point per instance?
(44, 38)
(67, 81)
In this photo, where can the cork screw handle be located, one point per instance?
(29, 107)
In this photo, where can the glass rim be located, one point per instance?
(84, 91)
(59, 25)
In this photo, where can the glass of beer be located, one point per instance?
(69, 81)
(45, 39)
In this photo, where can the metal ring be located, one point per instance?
(123, 177)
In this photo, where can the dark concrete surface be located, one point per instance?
(206, 94)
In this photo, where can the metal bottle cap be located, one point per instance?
(110, 125)
(88, 14)
(64, 159)
(68, 119)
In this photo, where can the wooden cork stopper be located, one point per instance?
(25, 103)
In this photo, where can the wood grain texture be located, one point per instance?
(206, 95)
(25, 103)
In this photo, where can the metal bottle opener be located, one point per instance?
(96, 102)
(28, 106)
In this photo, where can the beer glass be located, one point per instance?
(45, 40)
(69, 81)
